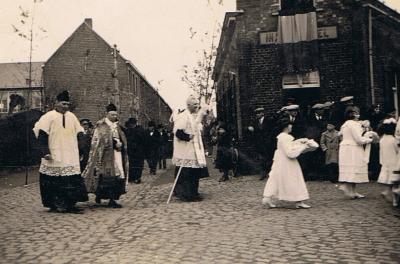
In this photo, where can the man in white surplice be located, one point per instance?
(189, 151)
(61, 185)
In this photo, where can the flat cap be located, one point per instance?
(346, 98)
(260, 109)
(290, 107)
(318, 106)
(328, 104)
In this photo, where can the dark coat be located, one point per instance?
(224, 151)
(262, 137)
(314, 127)
(298, 126)
(153, 142)
(85, 141)
(136, 139)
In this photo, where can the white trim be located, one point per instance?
(300, 82)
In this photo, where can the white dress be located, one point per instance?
(388, 156)
(353, 160)
(286, 180)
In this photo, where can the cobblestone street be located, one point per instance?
(229, 226)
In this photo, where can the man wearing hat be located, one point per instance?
(107, 169)
(61, 185)
(136, 138)
(262, 141)
(153, 141)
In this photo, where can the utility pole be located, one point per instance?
(116, 93)
(395, 96)
(28, 104)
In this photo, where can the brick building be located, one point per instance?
(352, 47)
(96, 74)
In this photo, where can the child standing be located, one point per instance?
(330, 146)
(389, 150)
(223, 161)
(286, 181)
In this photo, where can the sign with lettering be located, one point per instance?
(327, 32)
(267, 38)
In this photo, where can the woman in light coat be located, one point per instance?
(353, 160)
(286, 181)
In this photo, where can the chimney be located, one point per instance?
(89, 22)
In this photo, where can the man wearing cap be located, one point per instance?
(292, 111)
(153, 141)
(61, 185)
(312, 162)
(136, 139)
(261, 139)
(338, 113)
(189, 156)
(107, 169)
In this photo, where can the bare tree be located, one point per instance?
(25, 29)
(198, 77)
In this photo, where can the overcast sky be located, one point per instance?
(153, 34)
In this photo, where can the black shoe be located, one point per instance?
(74, 210)
(222, 179)
(114, 204)
(52, 210)
(98, 200)
(263, 178)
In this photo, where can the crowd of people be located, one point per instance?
(332, 142)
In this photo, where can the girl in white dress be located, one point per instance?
(388, 154)
(353, 159)
(286, 182)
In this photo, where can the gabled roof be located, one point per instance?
(128, 62)
(16, 75)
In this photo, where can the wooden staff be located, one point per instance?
(173, 187)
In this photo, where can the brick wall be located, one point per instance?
(343, 62)
(84, 65)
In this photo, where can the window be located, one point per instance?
(36, 100)
(300, 6)
(304, 80)
(36, 97)
(3, 102)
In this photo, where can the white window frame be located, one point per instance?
(300, 84)
(40, 104)
(9, 93)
